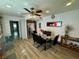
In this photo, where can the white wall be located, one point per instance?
(6, 25)
(23, 28)
(22, 25)
(68, 18)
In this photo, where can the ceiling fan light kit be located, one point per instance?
(37, 13)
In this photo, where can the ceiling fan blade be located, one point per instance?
(27, 10)
(32, 8)
(37, 15)
(39, 11)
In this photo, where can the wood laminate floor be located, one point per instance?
(25, 49)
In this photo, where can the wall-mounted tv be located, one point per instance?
(54, 24)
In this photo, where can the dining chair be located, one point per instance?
(55, 41)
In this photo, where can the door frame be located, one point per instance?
(31, 21)
(17, 25)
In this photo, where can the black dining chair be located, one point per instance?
(52, 42)
(40, 41)
(34, 38)
(55, 41)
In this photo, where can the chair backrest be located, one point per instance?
(55, 41)
(34, 37)
(40, 40)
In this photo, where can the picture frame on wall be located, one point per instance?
(39, 25)
(54, 24)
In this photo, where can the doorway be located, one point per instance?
(14, 27)
(31, 26)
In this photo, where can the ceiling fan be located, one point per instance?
(33, 12)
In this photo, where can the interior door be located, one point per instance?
(14, 27)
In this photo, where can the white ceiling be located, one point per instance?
(54, 6)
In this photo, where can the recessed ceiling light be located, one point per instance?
(8, 6)
(68, 4)
(47, 11)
